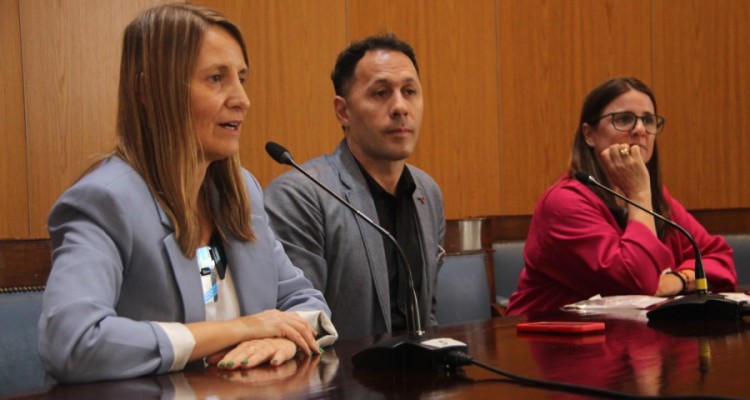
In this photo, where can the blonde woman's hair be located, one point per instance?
(154, 127)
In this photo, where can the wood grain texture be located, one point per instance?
(71, 60)
(292, 47)
(504, 81)
(701, 58)
(24, 264)
(456, 48)
(552, 53)
(14, 201)
(659, 360)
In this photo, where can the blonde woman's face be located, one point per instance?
(218, 102)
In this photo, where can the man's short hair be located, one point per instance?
(343, 73)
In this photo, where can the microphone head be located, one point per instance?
(278, 153)
(584, 178)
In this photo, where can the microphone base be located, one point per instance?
(416, 353)
(698, 307)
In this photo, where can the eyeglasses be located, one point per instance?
(626, 121)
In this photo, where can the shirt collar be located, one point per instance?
(405, 187)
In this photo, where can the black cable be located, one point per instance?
(459, 358)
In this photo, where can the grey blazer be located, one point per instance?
(117, 268)
(341, 254)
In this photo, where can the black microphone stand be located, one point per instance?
(414, 352)
(700, 305)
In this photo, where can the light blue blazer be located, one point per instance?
(117, 268)
(340, 253)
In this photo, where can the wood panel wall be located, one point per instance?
(292, 45)
(552, 54)
(14, 200)
(701, 57)
(71, 52)
(503, 79)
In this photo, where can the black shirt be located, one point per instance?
(398, 215)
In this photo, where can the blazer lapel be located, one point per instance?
(186, 275)
(425, 225)
(359, 196)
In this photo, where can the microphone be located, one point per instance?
(700, 305)
(414, 352)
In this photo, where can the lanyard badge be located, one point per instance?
(207, 269)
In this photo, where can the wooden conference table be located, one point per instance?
(676, 359)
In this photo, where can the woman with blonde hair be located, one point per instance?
(162, 253)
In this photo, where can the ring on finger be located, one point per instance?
(624, 151)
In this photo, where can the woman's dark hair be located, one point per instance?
(584, 159)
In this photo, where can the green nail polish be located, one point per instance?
(230, 364)
(245, 362)
(321, 349)
(275, 362)
(222, 364)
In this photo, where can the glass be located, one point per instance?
(626, 121)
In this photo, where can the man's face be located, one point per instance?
(382, 112)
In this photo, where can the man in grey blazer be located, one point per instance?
(379, 105)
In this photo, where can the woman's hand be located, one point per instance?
(671, 285)
(213, 337)
(280, 324)
(626, 170)
(255, 352)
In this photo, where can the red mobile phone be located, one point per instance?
(560, 326)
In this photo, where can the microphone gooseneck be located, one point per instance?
(701, 305)
(701, 284)
(413, 321)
